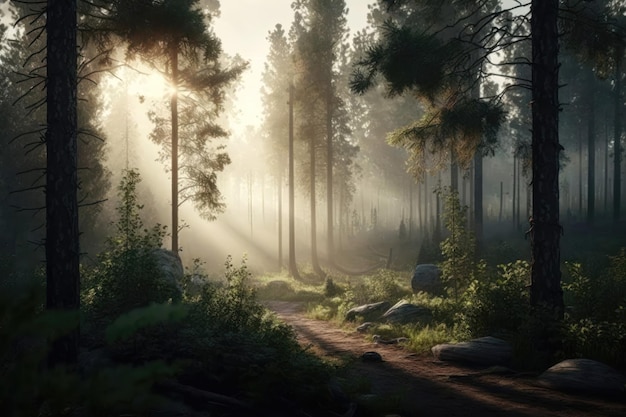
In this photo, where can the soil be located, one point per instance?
(422, 386)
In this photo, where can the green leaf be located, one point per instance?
(128, 324)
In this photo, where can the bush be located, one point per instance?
(595, 325)
(126, 275)
(458, 267)
(381, 286)
(497, 305)
(28, 389)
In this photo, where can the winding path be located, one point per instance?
(425, 387)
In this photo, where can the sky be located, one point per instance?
(243, 27)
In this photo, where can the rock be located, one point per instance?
(172, 267)
(427, 278)
(364, 327)
(367, 311)
(403, 313)
(583, 375)
(482, 351)
(379, 340)
(371, 357)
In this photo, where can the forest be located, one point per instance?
(424, 217)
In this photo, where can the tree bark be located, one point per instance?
(62, 242)
(591, 150)
(545, 292)
(312, 173)
(293, 267)
(617, 142)
(174, 111)
(329, 175)
(279, 197)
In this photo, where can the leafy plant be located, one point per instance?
(127, 275)
(497, 304)
(458, 267)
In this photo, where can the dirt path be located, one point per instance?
(426, 387)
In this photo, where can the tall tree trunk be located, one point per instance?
(545, 292)
(591, 150)
(580, 176)
(410, 210)
(174, 110)
(515, 197)
(279, 197)
(617, 139)
(437, 234)
(312, 174)
(62, 248)
(329, 175)
(606, 168)
(293, 267)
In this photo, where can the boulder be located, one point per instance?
(482, 351)
(427, 278)
(371, 357)
(363, 328)
(368, 311)
(172, 267)
(584, 375)
(404, 313)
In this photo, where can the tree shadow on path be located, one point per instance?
(417, 385)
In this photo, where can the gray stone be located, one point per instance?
(404, 313)
(368, 311)
(364, 327)
(172, 267)
(482, 351)
(427, 278)
(371, 357)
(583, 375)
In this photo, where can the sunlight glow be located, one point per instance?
(151, 85)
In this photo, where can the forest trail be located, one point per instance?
(430, 388)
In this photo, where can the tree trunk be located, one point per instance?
(515, 179)
(617, 139)
(312, 174)
(580, 176)
(329, 175)
(174, 110)
(293, 267)
(546, 295)
(591, 150)
(62, 236)
(279, 197)
(606, 168)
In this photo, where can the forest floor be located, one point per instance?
(422, 386)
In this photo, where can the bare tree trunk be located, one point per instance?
(515, 197)
(174, 110)
(546, 295)
(580, 176)
(280, 217)
(329, 175)
(617, 139)
(591, 150)
(606, 168)
(312, 174)
(293, 267)
(62, 248)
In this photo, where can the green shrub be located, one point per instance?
(381, 286)
(458, 267)
(29, 389)
(595, 325)
(497, 305)
(126, 275)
